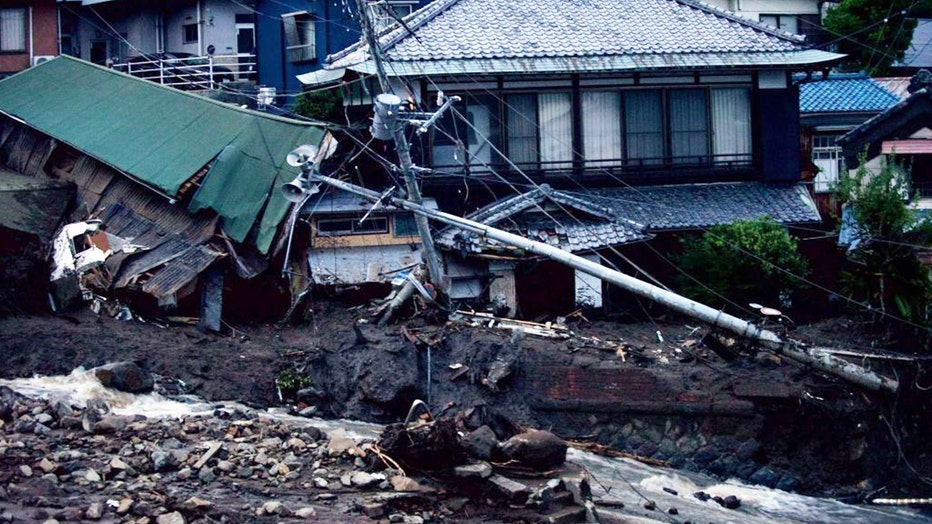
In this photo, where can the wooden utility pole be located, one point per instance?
(387, 123)
(768, 339)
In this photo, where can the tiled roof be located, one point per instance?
(844, 93)
(476, 36)
(548, 216)
(692, 206)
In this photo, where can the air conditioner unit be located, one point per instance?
(36, 60)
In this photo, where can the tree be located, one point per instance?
(324, 105)
(873, 34)
(884, 265)
(743, 262)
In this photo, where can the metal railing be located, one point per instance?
(192, 72)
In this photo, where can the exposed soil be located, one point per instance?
(815, 434)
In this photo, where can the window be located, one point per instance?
(13, 29)
(601, 127)
(826, 155)
(731, 125)
(466, 136)
(555, 116)
(788, 23)
(689, 126)
(522, 130)
(405, 226)
(190, 33)
(383, 11)
(644, 127)
(299, 36)
(351, 226)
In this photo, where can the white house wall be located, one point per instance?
(752, 9)
(218, 27)
(360, 264)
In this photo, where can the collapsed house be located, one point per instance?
(190, 183)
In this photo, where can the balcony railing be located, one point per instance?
(192, 72)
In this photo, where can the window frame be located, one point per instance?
(300, 46)
(355, 228)
(24, 12)
(185, 29)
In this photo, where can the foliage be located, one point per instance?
(873, 34)
(290, 381)
(885, 269)
(326, 105)
(746, 261)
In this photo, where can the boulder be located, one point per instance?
(480, 443)
(535, 449)
(125, 376)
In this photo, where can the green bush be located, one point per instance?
(743, 262)
(884, 269)
(326, 106)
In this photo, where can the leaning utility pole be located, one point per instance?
(386, 125)
(768, 339)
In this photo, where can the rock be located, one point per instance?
(480, 443)
(480, 470)
(363, 480)
(765, 476)
(92, 476)
(535, 449)
(509, 489)
(206, 475)
(321, 483)
(164, 460)
(125, 376)
(499, 371)
(118, 464)
(306, 513)
(226, 466)
(702, 496)
(94, 512)
(408, 484)
(396, 517)
(650, 505)
(731, 502)
(339, 445)
(274, 507)
(670, 491)
(197, 505)
(578, 486)
(25, 471)
(170, 518)
(123, 506)
(346, 480)
(374, 510)
(62, 409)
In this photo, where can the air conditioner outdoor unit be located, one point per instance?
(36, 60)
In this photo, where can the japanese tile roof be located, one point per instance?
(553, 217)
(546, 36)
(843, 94)
(161, 137)
(692, 206)
(903, 114)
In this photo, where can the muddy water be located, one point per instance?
(619, 480)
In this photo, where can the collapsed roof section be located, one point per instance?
(162, 138)
(601, 218)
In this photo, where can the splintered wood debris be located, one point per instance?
(546, 330)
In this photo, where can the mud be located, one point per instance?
(664, 397)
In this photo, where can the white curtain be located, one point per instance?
(689, 133)
(556, 130)
(731, 125)
(601, 127)
(644, 127)
(522, 130)
(12, 29)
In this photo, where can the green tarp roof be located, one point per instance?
(161, 137)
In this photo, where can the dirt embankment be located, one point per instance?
(649, 389)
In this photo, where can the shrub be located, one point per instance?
(884, 269)
(742, 262)
(325, 105)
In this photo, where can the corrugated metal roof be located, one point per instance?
(521, 36)
(182, 269)
(161, 137)
(845, 93)
(907, 147)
